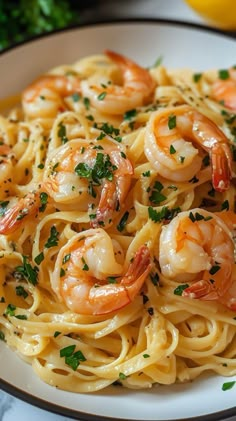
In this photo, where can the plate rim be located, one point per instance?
(131, 20)
(24, 395)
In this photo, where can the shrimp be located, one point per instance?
(82, 174)
(89, 279)
(138, 86)
(224, 90)
(197, 247)
(169, 148)
(26, 207)
(44, 97)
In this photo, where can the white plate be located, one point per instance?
(181, 45)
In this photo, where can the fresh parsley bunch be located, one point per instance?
(22, 19)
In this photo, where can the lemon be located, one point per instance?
(220, 13)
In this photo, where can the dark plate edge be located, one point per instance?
(82, 416)
(27, 397)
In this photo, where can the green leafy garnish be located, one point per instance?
(197, 77)
(101, 96)
(225, 205)
(62, 133)
(72, 358)
(39, 258)
(52, 241)
(179, 290)
(171, 121)
(10, 310)
(129, 115)
(214, 269)
(44, 200)
(223, 74)
(3, 207)
(28, 272)
(123, 222)
(228, 385)
(21, 292)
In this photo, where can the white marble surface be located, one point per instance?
(11, 408)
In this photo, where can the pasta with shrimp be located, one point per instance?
(117, 224)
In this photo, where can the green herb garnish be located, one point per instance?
(179, 290)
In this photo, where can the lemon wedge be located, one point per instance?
(220, 13)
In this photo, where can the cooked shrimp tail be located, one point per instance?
(221, 161)
(191, 132)
(25, 207)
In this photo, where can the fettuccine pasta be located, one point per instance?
(117, 220)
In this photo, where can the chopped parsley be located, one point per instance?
(157, 216)
(171, 121)
(123, 222)
(76, 97)
(146, 356)
(197, 77)
(86, 103)
(85, 266)
(111, 280)
(56, 333)
(44, 200)
(179, 290)
(101, 96)
(122, 376)
(156, 195)
(103, 168)
(172, 150)
(10, 310)
(52, 241)
(225, 205)
(72, 358)
(223, 74)
(66, 258)
(21, 292)
(154, 278)
(62, 272)
(228, 385)
(158, 62)
(146, 173)
(21, 317)
(39, 258)
(62, 133)
(129, 115)
(27, 271)
(3, 207)
(214, 269)
(198, 217)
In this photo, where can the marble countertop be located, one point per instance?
(11, 408)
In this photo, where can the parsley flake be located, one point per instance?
(171, 121)
(52, 241)
(123, 222)
(228, 385)
(223, 74)
(179, 290)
